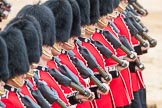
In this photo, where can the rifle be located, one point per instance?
(135, 32)
(151, 41)
(28, 102)
(91, 60)
(137, 7)
(138, 4)
(129, 8)
(107, 53)
(66, 81)
(130, 12)
(85, 72)
(126, 44)
(49, 94)
(114, 41)
(117, 44)
(38, 96)
(2, 105)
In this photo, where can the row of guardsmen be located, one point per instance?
(74, 54)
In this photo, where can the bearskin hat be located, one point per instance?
(38, 28)
(4, 72)
(116, 3)
(106, 6)
(18, 62)
(84, 6)
(94, 11)
(131, 1)
(76, 25)
(46, 20)
(63, 15)
(31, 37)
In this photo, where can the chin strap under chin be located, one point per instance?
(88, 30)
(101, 23)
(123, 7)
(68, 44)
(46, 53)
(2, 92)
(17, 82)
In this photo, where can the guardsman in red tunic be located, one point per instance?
(62, 35)
(137, 80)
(85, 21)
(48, 34)
(81, 58)
(48, 39)
(18, 67)
(119, 22)
(119, 102)
(85, 42)
(4, 72)
(138, 8)
(125, 73)
(64, 58)
(29, 34)
(32, 41)
(94, 15)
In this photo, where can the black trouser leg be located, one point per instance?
(143, 97)
(136, 103)
(125, 107)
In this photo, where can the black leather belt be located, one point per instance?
(114, 74)
(113, 71)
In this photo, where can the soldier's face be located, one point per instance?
(102, 22)
(2, 90)
(19, 80)
(112, 15)
(122, 6)
(31, 70)
(83, 30)
(89, 30)
(47, 53)
(47, 49)
(56, 50)
(70, 44)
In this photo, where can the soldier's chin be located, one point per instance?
(29, 75)
(68, 46)
(2, 91)
(18, 83)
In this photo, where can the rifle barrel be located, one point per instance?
(138, 8)
(61, 103)
(152, 41)
(99, 84)
(81, 90)
(103, 73)
(139, 64)
(129, 53)
(123, 64)
(141, 40)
